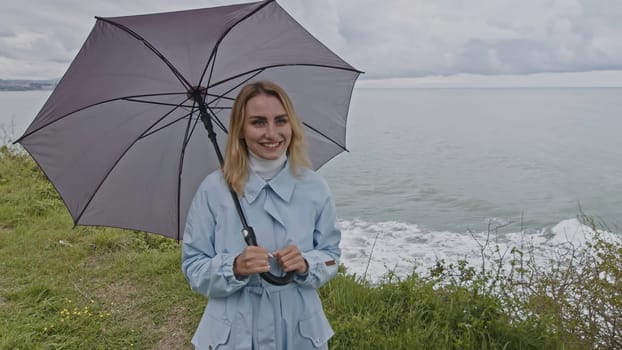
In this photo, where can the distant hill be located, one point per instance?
(24, 85)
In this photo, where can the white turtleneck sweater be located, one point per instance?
(266, 168)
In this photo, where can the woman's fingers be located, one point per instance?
(253, 260)
(290, 258)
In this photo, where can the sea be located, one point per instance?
(442, 173)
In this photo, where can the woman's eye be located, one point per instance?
(257, 122)
(281, 121)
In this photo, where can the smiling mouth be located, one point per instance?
(272, 144)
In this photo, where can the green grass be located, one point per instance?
(417, 314)
(85, 287)
(100, 288)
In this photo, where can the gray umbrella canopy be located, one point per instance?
(121, 139)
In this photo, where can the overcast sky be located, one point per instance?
(387, 39)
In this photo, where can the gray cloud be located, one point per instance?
(393, 38)
(485, 37)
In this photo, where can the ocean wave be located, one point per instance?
(372, 249)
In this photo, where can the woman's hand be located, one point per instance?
(290, 258)
(253, 260)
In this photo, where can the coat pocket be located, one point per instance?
(316, 329)
(212, 333)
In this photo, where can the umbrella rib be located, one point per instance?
(223, 95)
(325, 136)
(196, 122)
(218, 97)
(129, 99)
(213, 116)
(282, 65)
(148, 131)
(177, 73)
(124, 98)
(189, 114)
(212, 57)
(215, 107)
(187, 134)
(212, 60)
(86, 205)
(218, 122)
(180, 105)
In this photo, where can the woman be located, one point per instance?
(292, 212)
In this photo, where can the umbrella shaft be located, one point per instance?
(207, 121)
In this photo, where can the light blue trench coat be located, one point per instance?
(250, 313)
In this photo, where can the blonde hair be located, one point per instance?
(235, 168)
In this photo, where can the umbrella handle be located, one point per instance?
(251, 239)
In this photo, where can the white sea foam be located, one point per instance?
(373, 249)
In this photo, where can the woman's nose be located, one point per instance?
(271, 130)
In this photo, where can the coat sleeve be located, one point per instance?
(323, 260)
(207, 272)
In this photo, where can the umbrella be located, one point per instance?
(120, 137)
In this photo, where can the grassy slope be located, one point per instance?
(100, 288)
(83, 287)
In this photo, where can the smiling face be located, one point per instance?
(266, 129)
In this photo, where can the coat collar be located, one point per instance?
(282, 184)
